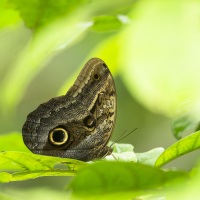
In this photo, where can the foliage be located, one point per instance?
(106, 177)
(135, 47)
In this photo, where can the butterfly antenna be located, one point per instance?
(118, 138)
(121, 138)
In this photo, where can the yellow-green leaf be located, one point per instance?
(182, 147)
(17, 166)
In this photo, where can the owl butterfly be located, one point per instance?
(78, 124)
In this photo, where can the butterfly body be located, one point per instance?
(79, 124)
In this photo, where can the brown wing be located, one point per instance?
(79, 124)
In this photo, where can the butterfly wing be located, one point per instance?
(79, 124)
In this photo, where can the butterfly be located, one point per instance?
(79, 124)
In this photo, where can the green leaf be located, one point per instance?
(159, 58)
(8, 16)
(182, 147)
(38, 13)
(115, 177)
(17, 166)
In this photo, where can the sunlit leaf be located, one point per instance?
(17, 166)
(8, 16)
(159, 59)
(182, 147)
(37, 13)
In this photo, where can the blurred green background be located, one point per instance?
(151, 47)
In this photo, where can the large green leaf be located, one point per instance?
(103, 178)
(18, 166)
(159, 55)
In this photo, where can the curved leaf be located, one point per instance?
(17, 166)
(183, 146)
